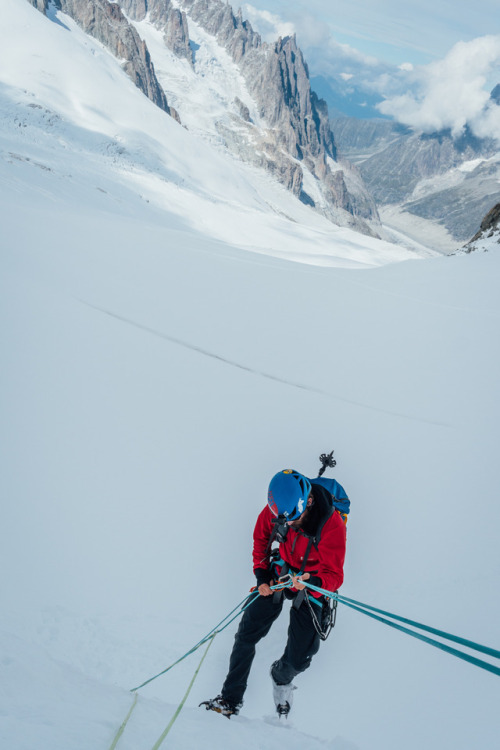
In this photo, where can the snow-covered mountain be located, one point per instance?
(254, 99)
(162, 357)
(435, 187)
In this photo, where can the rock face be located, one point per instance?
(106, 23)
(488, 236)
(490, 223)
(136, 9)
(176, 35)
(40, 5)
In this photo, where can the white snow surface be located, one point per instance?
(162, 358)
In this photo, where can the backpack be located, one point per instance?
(340, 501)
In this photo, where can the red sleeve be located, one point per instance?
(261, 535)
(331, 552)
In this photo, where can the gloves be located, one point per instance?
(263, 575)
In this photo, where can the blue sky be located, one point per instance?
(433, 62)
(391, 30)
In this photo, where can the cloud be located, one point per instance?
(269, 25)
(452, 93)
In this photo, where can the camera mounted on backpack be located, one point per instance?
(327, 461)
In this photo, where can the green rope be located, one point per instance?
(124, 724)
(181, 704)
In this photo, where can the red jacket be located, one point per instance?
(326, 560)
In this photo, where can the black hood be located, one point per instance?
(320, 510)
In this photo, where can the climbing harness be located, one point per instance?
(327, 615)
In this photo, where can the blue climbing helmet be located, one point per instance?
(288, 493)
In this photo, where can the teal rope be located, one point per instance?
(213, 632)
(363, 608)
(455, 652)
(449, 637)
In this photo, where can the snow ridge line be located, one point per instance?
(261, 373)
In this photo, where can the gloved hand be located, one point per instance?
(265, 588)
(297, 581)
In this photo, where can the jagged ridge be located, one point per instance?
(298, 135)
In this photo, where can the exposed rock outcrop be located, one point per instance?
(490, 224)
(488, 236)
(177, 34)
(136, 9)
(106, 22)
(40, 5)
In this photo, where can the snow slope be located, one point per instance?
(155, 375)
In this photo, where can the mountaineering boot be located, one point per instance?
(221, 706)
(283, 697)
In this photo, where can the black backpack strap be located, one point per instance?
(306, 556)
(299, 598)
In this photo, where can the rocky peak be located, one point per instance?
(298, 135)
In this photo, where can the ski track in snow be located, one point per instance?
(261, 373)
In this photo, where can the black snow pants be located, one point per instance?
(302, 643)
